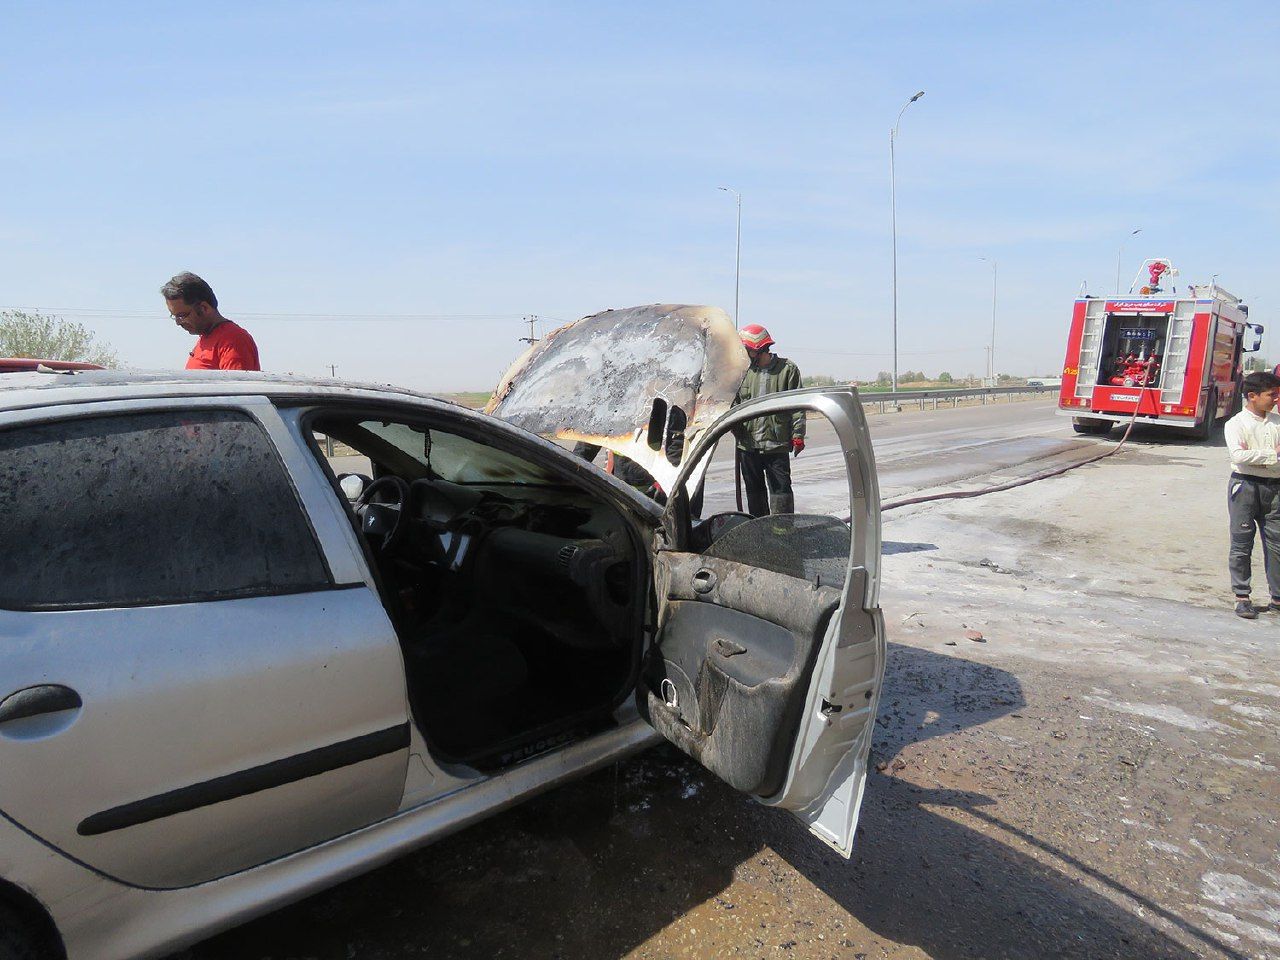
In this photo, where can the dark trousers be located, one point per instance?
(771, 471)
(1253, 504)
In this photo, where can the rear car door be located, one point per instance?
(191, 681)
(769, 652)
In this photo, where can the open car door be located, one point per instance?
(642, 382)
(769, 653)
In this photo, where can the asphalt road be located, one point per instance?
(1075, 757)
(916, 450)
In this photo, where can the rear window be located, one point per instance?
(149, 508)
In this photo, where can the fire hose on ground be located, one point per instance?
(970, 494)
(1022, 481)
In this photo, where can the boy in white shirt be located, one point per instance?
(1253, 492)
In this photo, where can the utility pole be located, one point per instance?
(533, 331)
(995, 269)
(328, 440)
(1119, 254)
(737, 255)
(893, 212)
(328, 446)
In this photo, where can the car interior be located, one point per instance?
(516, 593)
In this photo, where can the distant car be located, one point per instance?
(236, 670)
(25, 365)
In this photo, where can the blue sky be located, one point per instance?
(426, 174)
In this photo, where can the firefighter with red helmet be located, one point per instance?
(765, 443)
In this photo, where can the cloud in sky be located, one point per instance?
(502, 160)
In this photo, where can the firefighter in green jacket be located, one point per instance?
(765, 442)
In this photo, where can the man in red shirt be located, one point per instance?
(223, 344)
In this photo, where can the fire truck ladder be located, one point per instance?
(1090, 345)
(1175, 357)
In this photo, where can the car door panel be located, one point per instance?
(211, 737)
(794, 598)
(736, 642)
(832, 746)
(192, 739)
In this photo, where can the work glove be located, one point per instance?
(797, 444)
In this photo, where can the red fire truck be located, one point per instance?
(1174, 358)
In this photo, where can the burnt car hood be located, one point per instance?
(642, 382)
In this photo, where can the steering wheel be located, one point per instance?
(383, 524)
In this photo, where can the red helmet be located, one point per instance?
(755, 337)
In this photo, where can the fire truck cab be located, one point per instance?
(1175, 359)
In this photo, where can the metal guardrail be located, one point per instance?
(897, 399)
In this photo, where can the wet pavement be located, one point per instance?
(922, 449)
(1075, 757)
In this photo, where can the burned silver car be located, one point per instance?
(227, 684)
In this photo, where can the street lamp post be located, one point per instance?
(995, 268)
(1120, 253)
(893, 214)
(737, 256)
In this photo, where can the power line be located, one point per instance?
(957, 351)
(135, 314)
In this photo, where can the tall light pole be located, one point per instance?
(1120, 252)
(737, 256)
(995, 268)
(893, 213)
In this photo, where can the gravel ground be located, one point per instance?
(1076, 757)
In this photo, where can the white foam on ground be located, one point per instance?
(1237, 895)
(1164, 713)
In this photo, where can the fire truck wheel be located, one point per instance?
(1204, 430)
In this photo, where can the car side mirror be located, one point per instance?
(1253, 337)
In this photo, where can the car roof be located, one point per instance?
(25, 390)
(9, 364)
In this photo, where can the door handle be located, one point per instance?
(38, 700)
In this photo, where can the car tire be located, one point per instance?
(16, 942)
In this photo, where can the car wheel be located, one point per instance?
(16, 942)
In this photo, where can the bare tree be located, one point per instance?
(36, 336)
